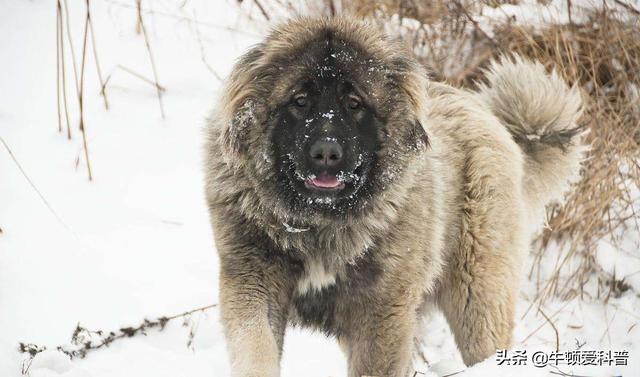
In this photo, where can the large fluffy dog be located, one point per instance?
(348, 193)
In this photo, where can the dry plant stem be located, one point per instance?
(81, 93)
(628, 6)
(63, 70)
(83, 340)
(153, 64)
(262, 10)
(599, 58)
(95, 57)
(105, 83)
(454, 373)
(561, 373)
(33, 186)
(182, 18)
(474, 22)
(554, 329)
(73, 52)
(202, 51)
(58, 69)
(136, 74)
(523, 341)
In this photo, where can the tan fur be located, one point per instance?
(450, 228)
(537, 107)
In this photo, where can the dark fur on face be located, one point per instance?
(328, 106)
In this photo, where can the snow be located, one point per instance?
(328, 115)
(136, 243)
(292, 229)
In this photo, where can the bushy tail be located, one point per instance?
(540, 112)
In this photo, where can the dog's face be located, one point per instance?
(335, 125)
(327, 132)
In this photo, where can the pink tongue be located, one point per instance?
(325, 181)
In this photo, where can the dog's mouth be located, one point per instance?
(324, 182)
(329, 186)
(332, 184)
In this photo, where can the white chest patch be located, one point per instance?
(315, 277)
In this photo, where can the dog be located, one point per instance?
(349, 193)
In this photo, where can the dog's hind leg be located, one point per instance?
(479, 287)
(479, 306)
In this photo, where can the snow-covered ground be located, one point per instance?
(135, 242)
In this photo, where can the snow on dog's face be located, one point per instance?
(326, 129)
(326, 118)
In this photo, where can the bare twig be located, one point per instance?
(58, 68)
(229, 29)
(464, 11)
(153, 64)
(555, 329)
(454, 373)
(33, 186)
(73, 53)
(84, 341)
(542, 324)
(559, 372)
(95, 57)
(105, 83)
(81, 95)
(202, 52)
(262, 10)
(63, 71)
(628, 6)
(141, 77)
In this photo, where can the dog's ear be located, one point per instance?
(236, 129)
(242, 101)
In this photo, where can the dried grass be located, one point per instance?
(602, 56)
(597, 49)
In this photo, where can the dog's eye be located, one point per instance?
(300, 100)
(354, 102)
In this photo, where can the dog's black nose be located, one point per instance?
(326, 152)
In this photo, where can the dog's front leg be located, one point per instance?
(382, 344)
(254, 298)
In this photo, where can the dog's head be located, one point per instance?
(325, 114)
